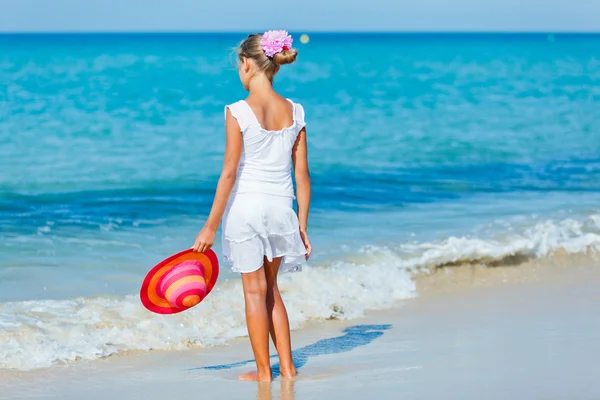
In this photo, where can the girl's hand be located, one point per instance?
(307, 245)
(204, 240)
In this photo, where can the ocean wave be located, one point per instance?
(538, 241)
(38, 334)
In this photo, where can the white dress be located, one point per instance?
(259, 220)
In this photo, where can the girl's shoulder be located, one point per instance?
(239, 107)
(241, 112)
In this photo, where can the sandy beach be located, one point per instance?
(474, 332)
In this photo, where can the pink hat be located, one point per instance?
(180, 282)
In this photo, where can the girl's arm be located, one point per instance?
(302, 175)
(233, 152)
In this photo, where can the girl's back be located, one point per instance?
(274, 113)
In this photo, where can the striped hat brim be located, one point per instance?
(149, 295)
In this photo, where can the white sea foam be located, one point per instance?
(37, 334)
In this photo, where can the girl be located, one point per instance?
(262, 235)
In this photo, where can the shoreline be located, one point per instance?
(455, 315)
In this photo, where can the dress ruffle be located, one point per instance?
(248, 255)
(256, 226)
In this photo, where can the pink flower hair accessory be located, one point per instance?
(274, 42)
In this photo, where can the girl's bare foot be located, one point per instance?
(256, 377)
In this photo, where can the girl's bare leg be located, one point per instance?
(278, 318)
(257, 319)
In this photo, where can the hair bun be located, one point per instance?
(285, 57)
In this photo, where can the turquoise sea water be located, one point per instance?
(424, 150)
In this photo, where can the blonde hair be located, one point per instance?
(251, 48)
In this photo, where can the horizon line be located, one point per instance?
(310, 32)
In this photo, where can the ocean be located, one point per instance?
(425, 150)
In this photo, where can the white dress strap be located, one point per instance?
(242, 113)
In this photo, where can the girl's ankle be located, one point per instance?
(264, 375)
(288, 372)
